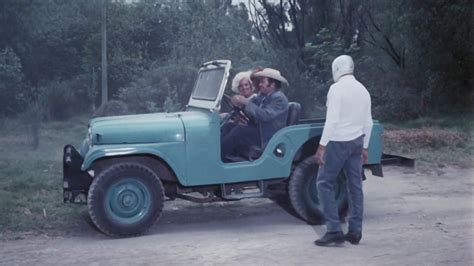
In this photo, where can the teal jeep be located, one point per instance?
(127, 165)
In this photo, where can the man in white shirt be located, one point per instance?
(343, 147)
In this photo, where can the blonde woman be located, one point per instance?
(242, 84)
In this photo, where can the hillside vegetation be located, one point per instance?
(415, 57)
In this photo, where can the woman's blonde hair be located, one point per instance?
(238, 78)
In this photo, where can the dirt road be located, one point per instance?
(411, 218)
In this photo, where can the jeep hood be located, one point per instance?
(135, 129)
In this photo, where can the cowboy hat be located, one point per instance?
(271, 73)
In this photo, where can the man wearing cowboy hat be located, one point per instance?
(269, 110)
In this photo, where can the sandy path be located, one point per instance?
(411, 218)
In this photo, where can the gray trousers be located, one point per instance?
(346, 156)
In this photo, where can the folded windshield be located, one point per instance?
(208, 84)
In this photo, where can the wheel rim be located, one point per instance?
(311, 191)
(127, 201)
(311, 195)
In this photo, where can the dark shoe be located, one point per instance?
(330, 238)
(353, 237)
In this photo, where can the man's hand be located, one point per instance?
(365, 156)
(239, 100)
(319, 155)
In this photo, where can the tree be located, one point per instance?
(105, 91)
(11, 76)
(414, 56)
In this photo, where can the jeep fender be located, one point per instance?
(164, 151)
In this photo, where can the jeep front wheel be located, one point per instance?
(125, 200)
(303, 192)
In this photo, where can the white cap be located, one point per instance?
(341, 66)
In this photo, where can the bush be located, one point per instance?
(112, 108)
(32, 118)
(60, 100)
(425, 138)
(163, 88)
(11, 77)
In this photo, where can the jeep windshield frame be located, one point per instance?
(210, 85)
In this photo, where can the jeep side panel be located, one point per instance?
(196, 160)
(204, 165)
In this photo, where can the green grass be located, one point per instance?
(31, 180)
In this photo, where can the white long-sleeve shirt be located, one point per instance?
(349, 113)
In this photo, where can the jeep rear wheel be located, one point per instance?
(125, 200)
(303, 192)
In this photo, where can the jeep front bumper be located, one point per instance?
(76, 183)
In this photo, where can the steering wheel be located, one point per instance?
(228, 101)
(236, 111)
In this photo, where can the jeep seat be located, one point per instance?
(250, 153)
(294, 110)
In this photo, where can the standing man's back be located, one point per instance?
(349, 111)
(343, 147)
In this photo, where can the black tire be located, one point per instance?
(303, 192)
(125, 200)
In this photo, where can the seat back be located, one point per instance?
(294, 110)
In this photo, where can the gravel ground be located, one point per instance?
(411, 218)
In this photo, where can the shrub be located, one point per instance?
(59, 99)
(163, 88)
(112, 108)
(11, 77)
(425, 137)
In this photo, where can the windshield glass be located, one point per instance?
(208, 84)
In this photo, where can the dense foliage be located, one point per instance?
(415, 57)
